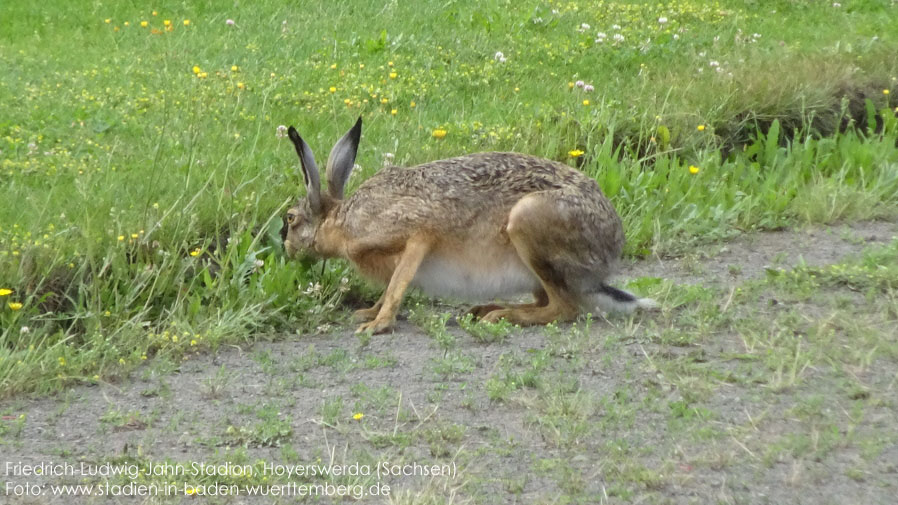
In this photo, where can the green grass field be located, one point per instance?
(143, 179)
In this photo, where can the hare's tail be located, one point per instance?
(612, 299)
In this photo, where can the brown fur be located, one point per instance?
(498, 220)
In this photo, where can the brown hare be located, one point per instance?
(480, 226)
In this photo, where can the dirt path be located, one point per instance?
(618, 412)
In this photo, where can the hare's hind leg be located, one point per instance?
(540, 299)
(537, 228)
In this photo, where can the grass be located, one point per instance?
(722, 396)
(143, 178)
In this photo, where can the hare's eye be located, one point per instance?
(290, 218)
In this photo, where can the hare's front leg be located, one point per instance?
(364, 315)
(413, 254)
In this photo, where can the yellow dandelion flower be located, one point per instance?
(885, 92)
(413, 104)
(174, 338)
(127, 23)
(134, 235)
(235, 68)
(384, 100)
(144, 24)
(393, 75)
(108, 21)
(121, 238)
(347, 101)
(196, 69)
(693, 169)
(155, 13)
(390, 63)
(116, 29)
(5, 292)
(394, 112)
(202, 75)
(167, 22)
(570, 85)
(196, 252)
(186, 22)
(358, 416)
(193, 342)
(700, 127)
(333, 66)
(240, 85)
(61, 361)
(190, 491)
(585, 102)
(576, 153)
(332, 89)
(439, 133)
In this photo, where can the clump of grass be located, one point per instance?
(483, 332)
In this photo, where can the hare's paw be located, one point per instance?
(494, 316)
(365, 315)
(479, 311)
(378, 325)
(526, 316)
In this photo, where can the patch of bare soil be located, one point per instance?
(592, 424)
(748, 256)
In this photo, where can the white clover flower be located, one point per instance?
(713, 63)
(499, 57)
(618, 37)
(281, 132)
(579, 84)
(583, 27)
(229, 22)
(588, 87)
(676, 36)
(662, 20)
(837, 4)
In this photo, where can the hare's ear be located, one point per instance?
(341, 160)
(309, 170)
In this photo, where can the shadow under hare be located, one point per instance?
(481, 226)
